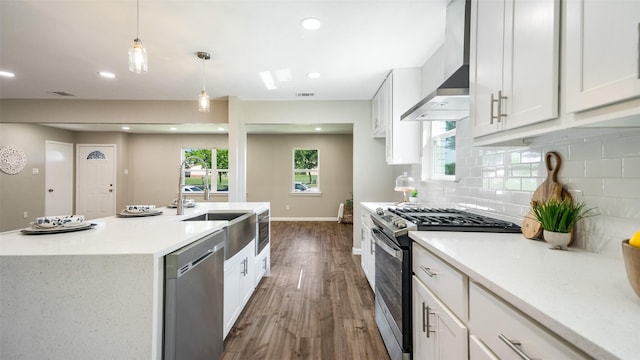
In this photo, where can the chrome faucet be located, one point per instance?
(180, 204)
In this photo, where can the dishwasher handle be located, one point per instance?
(183, 260)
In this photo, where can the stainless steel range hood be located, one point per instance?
(450, 101)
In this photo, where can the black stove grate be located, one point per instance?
(453, 220)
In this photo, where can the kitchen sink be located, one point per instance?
(240, 231)
(217, 216)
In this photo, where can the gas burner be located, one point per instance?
(428, 219)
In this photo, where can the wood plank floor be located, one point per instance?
(316, 304)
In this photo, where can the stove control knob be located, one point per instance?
(401, 224)
(380, 211)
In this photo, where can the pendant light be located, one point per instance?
(138, 62)
(204, 105)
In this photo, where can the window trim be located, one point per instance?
(213, 169)
(429, 145)
(310, 191)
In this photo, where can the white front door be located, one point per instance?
(58, 178)
(95, 180)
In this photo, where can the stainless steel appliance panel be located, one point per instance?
(194, 284)
(263, 231)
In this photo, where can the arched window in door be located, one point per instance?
(96, 155)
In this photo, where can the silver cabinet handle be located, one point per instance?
(639, 50)
(500, 98)
(515, 346)
(491, 117)
(372, 246)
(426, 328)
(428, 271)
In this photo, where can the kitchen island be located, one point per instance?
(582, 298)
(98, 293)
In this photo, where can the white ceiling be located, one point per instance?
(54, 45)
(209, 128)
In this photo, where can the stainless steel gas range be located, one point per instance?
(393, 263)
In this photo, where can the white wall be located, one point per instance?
(603, 171)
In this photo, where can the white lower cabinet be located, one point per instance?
(239, 283)
(497, 326)
(368, 248)
(263, 264)
(437, 332)
(479, 351)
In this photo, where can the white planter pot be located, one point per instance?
(558, 241)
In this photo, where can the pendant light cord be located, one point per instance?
(203, 76)
(137, 19)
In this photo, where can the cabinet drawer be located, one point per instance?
(478, 350)
(496, 323)
(449, 285)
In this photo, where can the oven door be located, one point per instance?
(389, 258)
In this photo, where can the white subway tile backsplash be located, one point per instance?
(631, 167)
(627, 144)
(603, 168)
(623, 188)
(530, 156)
(571, 169)
(585, 151)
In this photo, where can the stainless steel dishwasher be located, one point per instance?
(193, 322)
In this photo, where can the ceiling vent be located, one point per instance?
(61, 93)
(305, 94)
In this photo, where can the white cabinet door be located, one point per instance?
(262, 264)
(403, 137)
(230, 311)
(486, 57)
(378, 118)
(514, 64)
(368, 258)
(437, 333)
(247, 278)
(602, 52)
(239, 283)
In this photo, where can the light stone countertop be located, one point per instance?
(582, 296)
(98, 293)
(155, 235)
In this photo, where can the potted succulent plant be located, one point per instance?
(558, 218)
(413, 196)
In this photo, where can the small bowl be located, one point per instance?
(631, 255)
(135, 209)
(60, 220)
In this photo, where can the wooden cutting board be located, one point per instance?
(550, 188)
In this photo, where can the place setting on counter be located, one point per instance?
(139, 211)
(188, 203)
(57, 224)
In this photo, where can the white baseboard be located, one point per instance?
(304, 219)
(356, 251)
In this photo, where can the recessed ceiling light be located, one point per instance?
(313, 75)
(268, 80)
(7, 74)
(125, 128)
(220, 129)
(318, 129)
(106, 74)
(173, 129)
(310, 23)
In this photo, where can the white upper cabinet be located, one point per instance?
(602, 52)
(514, 61)
(379, 108)
(403, 137)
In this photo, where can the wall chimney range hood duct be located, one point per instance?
(450, 101)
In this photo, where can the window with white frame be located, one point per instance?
(306, 170)
(443, 149)
(194, 175)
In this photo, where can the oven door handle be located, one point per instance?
(396, 253)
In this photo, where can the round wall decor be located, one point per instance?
(12, 159)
